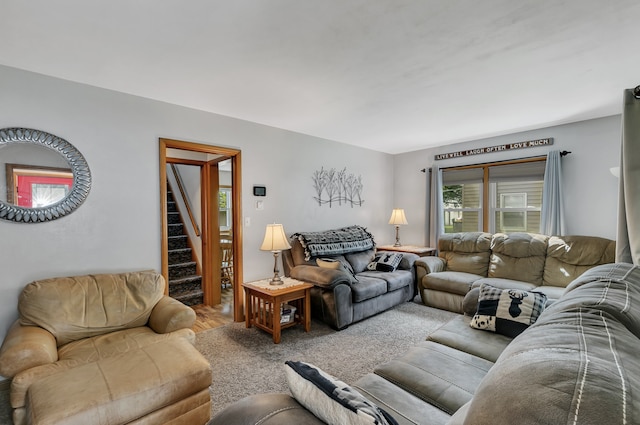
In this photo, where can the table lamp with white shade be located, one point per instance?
(275, 240)
(397, 219)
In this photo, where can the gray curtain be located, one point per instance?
(552, 215)
(435, 225)
(628, 240)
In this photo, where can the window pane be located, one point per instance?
(524, 194)
(470, 222)
(471, 195)
(462, 195)
(517, 221)
(461, 205)
(462, 221)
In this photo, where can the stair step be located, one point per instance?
(191, 298)
(173, 218)
(180, 256)
(185, 285)
(172, 206)
(177, 242)
(176, 229)
(177, 271)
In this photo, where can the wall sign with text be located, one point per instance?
(497, 148)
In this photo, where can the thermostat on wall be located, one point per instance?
(259, 191)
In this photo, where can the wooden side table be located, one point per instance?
(422, 251)
(263, 303)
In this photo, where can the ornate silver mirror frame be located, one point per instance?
(79, 168)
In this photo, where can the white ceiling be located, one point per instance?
(390, 75)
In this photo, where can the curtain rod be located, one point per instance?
(540, 158)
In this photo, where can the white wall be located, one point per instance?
(118, 226)
(590, 190)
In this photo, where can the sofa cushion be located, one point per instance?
(123, 388)
(340, 263)
(466, 252)
(330, 399)
(453, 282)
(88, 350)
(552, 292)
(457, 334)
(385, 261)
(518, 256)
(505, 283)
(395, 280)
(118, 301)
(570, 256)
(405, 407)
(439, 375)
(368, 287)
(507, 311)
(360, 260)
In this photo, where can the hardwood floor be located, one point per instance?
(208, 317)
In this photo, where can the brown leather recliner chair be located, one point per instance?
(104, 349)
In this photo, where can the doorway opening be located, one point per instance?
(205, 183)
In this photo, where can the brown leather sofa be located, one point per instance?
(576, 364)
(506, 260)
(104, 349)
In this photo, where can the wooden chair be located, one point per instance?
(226, 267)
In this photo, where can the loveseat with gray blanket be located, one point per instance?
(577, 364)
(353, 291)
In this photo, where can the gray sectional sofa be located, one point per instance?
(353, 292)
(515, 260)
(577, 364)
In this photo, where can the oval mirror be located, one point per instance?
(46, 177)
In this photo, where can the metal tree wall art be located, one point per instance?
(337, 187)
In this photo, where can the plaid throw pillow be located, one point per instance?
(507, 311)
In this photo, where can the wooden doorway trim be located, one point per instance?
(209, 241)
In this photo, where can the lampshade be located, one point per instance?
(275, 238)
(397, 217)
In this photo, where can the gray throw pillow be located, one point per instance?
(338, 263)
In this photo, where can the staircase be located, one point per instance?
(184, 284)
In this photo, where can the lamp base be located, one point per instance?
(276, 273)
(276, 280)
(397, 236)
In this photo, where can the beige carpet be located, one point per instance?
(246, 361)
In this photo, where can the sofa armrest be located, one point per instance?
(170, 315)
(25, 347)
(426, 265)
(265, 409)
(320, 276)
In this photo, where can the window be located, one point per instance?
(224, 207)
(513, 213)
(462, 200)
(495, 197)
